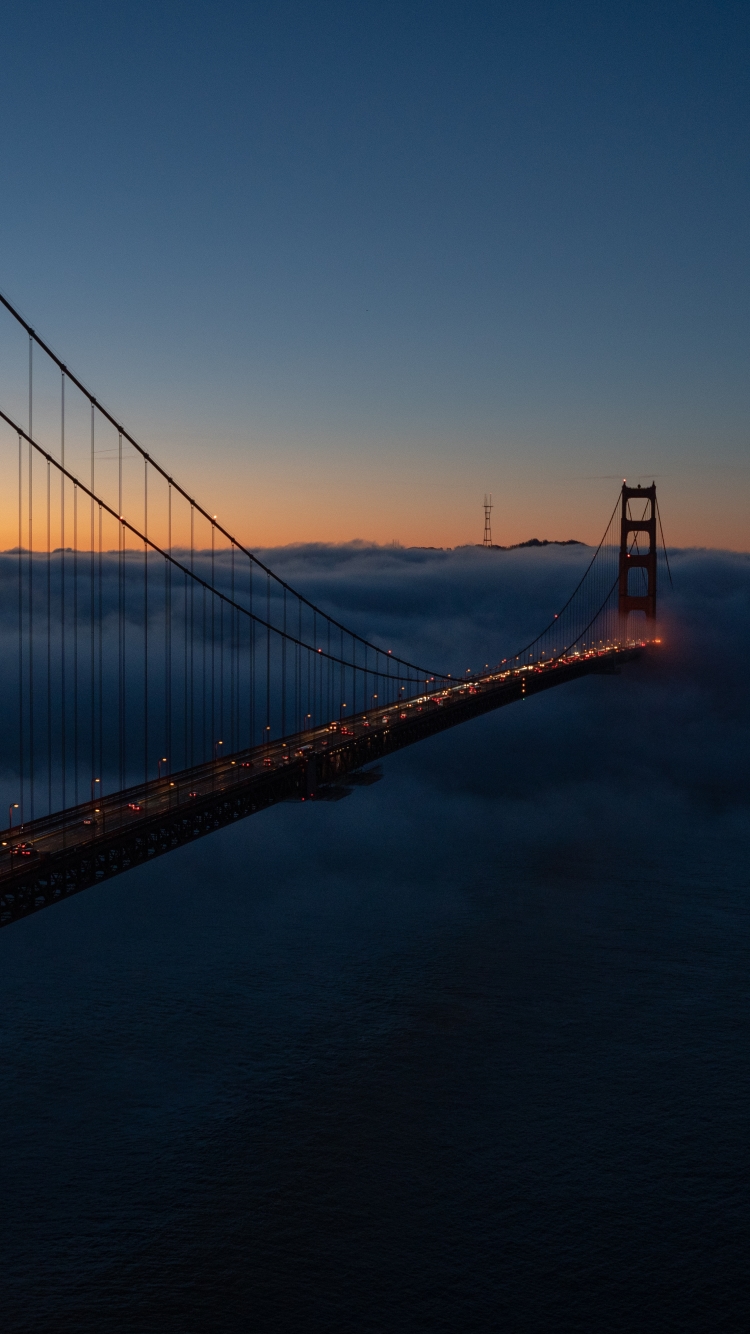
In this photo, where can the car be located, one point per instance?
(246, 764)
(23, 850)
(192, 794)
(268, 762)
(133, 806)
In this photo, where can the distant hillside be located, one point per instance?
(514, 546)
(532, 542)
(540, 542)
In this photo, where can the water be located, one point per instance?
(467, 1051)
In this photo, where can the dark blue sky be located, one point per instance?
(347, 266)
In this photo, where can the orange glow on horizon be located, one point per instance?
(262, 505)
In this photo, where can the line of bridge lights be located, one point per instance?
(14, 806)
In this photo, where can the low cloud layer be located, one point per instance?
(679, 716)
(650, 759)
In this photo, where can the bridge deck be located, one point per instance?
(81, 846)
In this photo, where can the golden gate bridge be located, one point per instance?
(162, 682)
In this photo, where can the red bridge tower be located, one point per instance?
(635, 559)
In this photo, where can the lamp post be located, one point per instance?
(217, 743)
(13, 807)
(93, 781)
(162, 761)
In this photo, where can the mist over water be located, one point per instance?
(467, 1051)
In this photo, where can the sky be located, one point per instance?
(344, 268)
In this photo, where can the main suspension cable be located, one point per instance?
(34, 336)
(204, 584)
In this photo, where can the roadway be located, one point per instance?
(99, 838)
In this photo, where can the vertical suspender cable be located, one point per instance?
(63, 697)
(192, 636)
(75, 641)
(252, 663)
(221, 667)
(212, 729)
(664, 545)
(31, 593)
(145, 621)
(313, 710)
(250, 657)
(283, 673)
(185, 679)
(203, 676)
(101, 660)
(267, 735)
(168, 633)
(21, 738)
(231, 662)
(49, 643)
(297, 678)
(120, 619)
(92, 613)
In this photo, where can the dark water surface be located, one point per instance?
(468, 1051)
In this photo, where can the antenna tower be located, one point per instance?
(487, 542)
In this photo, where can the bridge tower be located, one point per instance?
(636, 559)
(487, 540)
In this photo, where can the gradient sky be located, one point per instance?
(345, 267)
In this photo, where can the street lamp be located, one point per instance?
(13, 807)
(93, 781)
(162, 761)
(217, 743)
